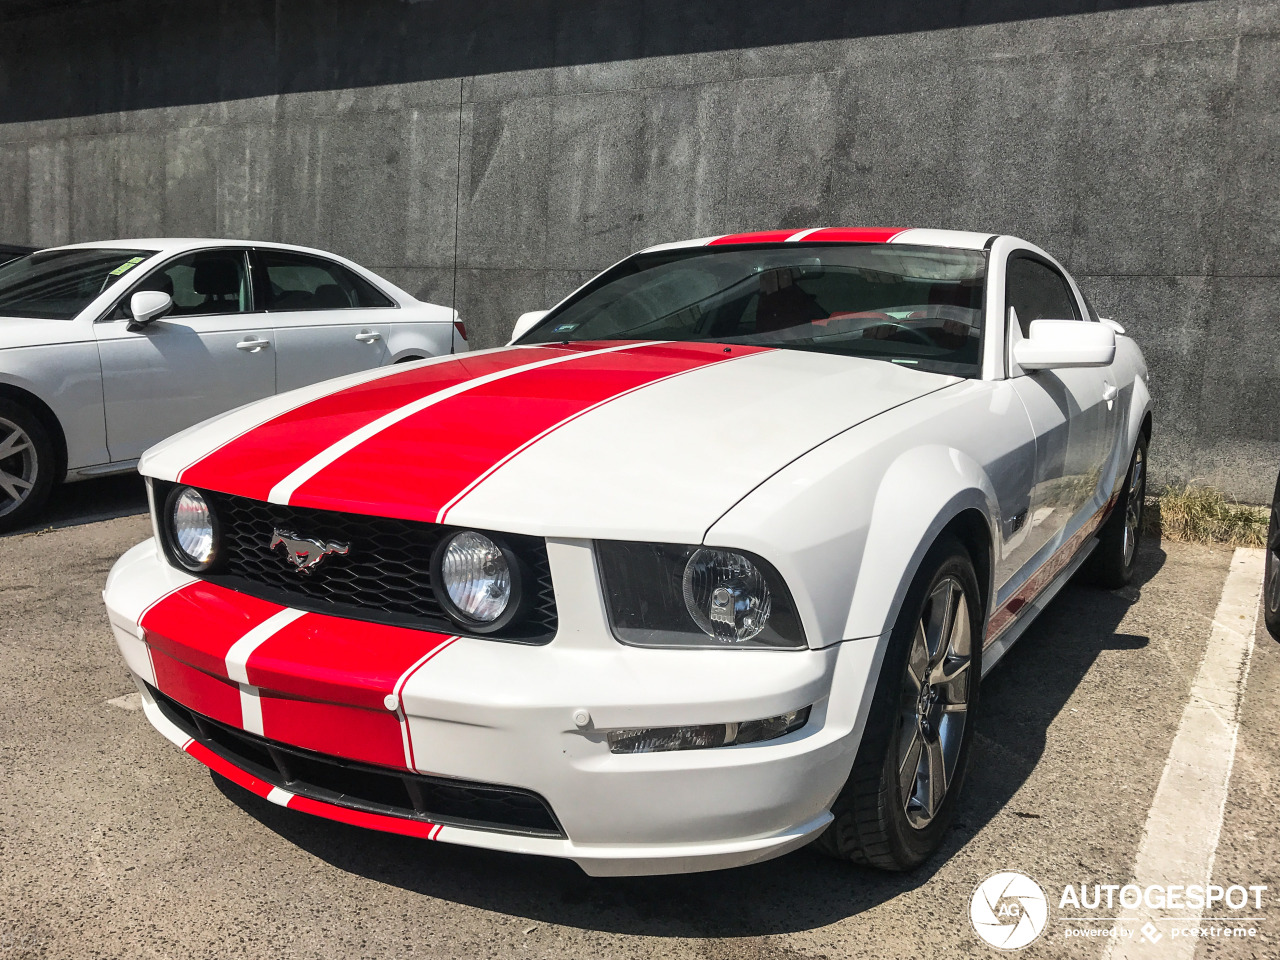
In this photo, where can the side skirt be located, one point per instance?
(992, 653)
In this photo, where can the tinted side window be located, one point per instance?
(295, 281)
(1037, 292)
(214, 281)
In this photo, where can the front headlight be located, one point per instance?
(672, 595)
(192, 529)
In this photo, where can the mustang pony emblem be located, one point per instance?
(302, 553)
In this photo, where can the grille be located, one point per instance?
(386, 576)
(356, 786)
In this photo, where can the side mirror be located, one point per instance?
(526, 323)
(147, 306)
(1054, 344)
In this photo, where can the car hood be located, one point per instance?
(31, 332)
(609, 440)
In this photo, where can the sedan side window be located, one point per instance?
(210, 282)
(1037, 292)
(295, 281)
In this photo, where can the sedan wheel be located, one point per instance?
(19, 466)
(27, 464)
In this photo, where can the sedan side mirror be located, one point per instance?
(148, 306)
(526, 323)
(1054, 344)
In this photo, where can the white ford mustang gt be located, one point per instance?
(107, 348)
(705, 566)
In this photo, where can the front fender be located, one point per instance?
(922, 492)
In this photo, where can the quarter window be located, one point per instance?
(1038, 292)
(296, 281)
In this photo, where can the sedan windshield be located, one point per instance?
(58, 284)
(919, 306)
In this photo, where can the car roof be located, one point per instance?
(178, 244)
(961, 239)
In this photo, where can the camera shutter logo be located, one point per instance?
(1008, 910)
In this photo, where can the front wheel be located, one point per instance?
(26, 465)
(902, 792)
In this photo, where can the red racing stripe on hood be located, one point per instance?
(418, 468)
(253, 463)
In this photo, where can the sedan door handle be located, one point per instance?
(368, 336)
(253, 344)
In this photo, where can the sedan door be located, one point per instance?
(1073, 410)
(211, 352)
(327, 320)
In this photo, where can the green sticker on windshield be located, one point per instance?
(126, 266)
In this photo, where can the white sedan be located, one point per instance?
(107, 348)
(704, 567)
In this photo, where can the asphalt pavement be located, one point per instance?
(115, 844)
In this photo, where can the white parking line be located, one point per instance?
(1185, 820)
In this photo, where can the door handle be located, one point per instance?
(253, 345)
(1109, 391)
(368, 336)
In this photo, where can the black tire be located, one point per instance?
(1114, 558)
(27, 465)
(1271, 580)
(877, 819)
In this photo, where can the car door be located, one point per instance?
(211, 352)
(1072, 410)
(327, 320)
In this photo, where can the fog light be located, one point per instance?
(700, 736)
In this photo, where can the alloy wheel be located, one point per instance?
(19, 466)
(935, 702)
(1133, 504)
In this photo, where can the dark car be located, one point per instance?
(1271, 580)
(12, 251)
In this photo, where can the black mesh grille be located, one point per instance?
(373, 789)
(385, 576)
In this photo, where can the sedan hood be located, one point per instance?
(610, 440)
(33, 332)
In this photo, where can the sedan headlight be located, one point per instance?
(478, 581)
(191, 529)
(672, 595)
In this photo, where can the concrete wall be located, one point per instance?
(493, 155)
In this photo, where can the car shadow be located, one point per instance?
(800, 891)
(90, 501)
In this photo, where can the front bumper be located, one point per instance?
(494, 713)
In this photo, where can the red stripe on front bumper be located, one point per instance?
(199, 624)
(218, 699)
(358, 818)
(356, 733)
(320, 657)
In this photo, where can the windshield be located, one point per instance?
(919, 306)
(58, 284)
